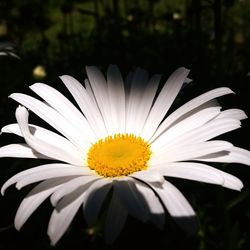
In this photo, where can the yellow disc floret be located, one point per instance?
(119, 155)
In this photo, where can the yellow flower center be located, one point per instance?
(119, 155)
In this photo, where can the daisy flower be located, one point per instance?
(119, 141)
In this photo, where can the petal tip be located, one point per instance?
(181, 70)
(11, 95)
(4, 187)
(64, 76)
(230, 91)
(53, 238)
(3, 191)
(34, 85)
(17, 227)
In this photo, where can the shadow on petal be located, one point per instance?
(68, 199)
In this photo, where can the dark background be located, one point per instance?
(210, 37)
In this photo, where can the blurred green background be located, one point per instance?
(43, 39)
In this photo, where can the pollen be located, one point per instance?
(119, 155)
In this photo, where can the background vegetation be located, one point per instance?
(211, 37)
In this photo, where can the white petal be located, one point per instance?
(138, 81)
(146, 102)
(174, 201)
(199, 172)
(210, 104)
(189, 152)
(71, 186)
(46, 136)
(213, 128)
(100, 90)
(131, 199)
(87, 104)
(53, 118)
(89, 91)
(191, 171)
(61, 218)
(14, 129)
(35, 170)
(116, 95)
(206, 132)
(115, 220)
(148, 176)
(95, 196)
(188, 80)
(231, 181)
(20, 151)
(194, 103)
(35, 198)
(60, 103)
(177, 205)
(242, 155)
(190, 123)
(157, 213)
(236, 114)
(164, 101)
(234, 155)
(51, 173)
(51, 150)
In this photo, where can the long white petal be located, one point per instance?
(192, 104)
(231, 181)
(52, 173)
(210, 104)
(87, 104)
(189, 152)
(177, 205)
(131, 199)
(35, 198)
(61, 218)
(50, 150)
(95, 196)
(157, 213)
(34, 170)
(236, 114)
(115, 219)
(206, 132)
(190, 123)
(100, 90)
(199, 172)
(20, 151)
(191, 171)
(53, 118)
(60, 103)
(148, 176)
(146, 103)
(46, 136)
(89, 91)
(71, 186)
(116, 95)
(164, 101)
(212, 129)
(234, 155)
(137, 82)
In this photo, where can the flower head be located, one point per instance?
(120, 142)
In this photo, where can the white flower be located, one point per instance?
(120, 142)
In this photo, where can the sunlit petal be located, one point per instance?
(115, 154)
